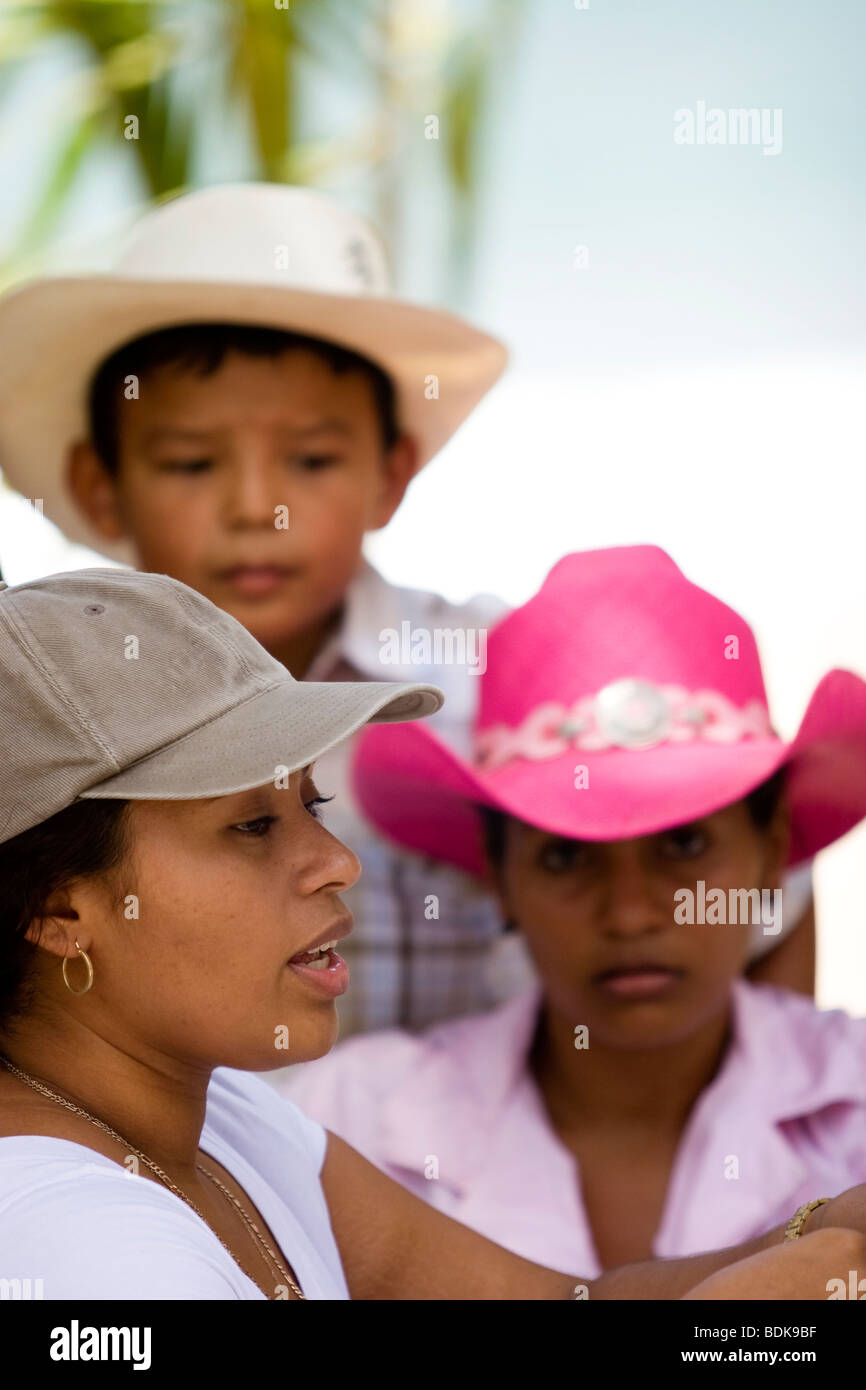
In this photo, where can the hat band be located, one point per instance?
(625, 714)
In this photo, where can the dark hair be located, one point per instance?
(760, 803)
(85, 839)
(202, 348)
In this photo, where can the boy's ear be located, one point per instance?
(399, 467)
(94, 490)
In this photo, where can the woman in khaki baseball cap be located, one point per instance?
(169, 912)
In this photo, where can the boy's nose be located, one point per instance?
(253, 488)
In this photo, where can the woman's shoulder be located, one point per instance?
(247, 1113)
(91, 1228)
(800, 1012)
(821, 1051)
(348, 1089)
(363, 1067)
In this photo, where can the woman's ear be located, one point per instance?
(492, 879)
(778, 837)
(488, 877)
(55, 931)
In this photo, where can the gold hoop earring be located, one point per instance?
(86, 958)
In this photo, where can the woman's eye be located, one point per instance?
(256, 828)
(316, 801)
(685, 842)
(558, 856)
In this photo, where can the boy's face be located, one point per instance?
(254, 485)
(599, 920)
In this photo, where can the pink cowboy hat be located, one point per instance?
(619, 701)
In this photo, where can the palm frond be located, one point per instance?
(263, 45)
(153, 59)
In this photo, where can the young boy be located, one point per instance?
(236, 406)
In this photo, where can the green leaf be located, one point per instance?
(104, 24)
(264, 45)
(462, 114)
(166, 135)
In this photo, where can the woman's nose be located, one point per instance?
(334, 866)
(631, 902)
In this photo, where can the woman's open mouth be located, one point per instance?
(322, 968)
(638, 981)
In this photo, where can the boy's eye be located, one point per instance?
(256, 828)
(558, 856)
(313, 463)
(684, 842)
(185, 466)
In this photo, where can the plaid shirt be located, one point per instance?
(409, 970)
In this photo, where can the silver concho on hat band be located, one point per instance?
(633, 714)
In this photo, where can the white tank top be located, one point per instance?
(75, 1225)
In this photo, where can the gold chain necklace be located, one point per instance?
(275, 1263)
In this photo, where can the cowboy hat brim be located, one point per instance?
(423, 795)
(55, 332)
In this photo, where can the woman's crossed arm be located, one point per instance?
(394, 1246)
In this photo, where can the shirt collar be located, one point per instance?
(819, 1066)
(737, 1168)
(470, 1069)
(371, 605)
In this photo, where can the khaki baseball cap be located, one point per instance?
(118, 684)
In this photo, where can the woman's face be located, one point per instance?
(228, 891)
(599, 921)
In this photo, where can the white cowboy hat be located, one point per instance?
(252, 253)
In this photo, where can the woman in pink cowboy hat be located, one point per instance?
(634, 811)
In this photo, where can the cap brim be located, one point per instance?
(279, 730)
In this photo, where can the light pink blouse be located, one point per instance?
(455, 1116)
